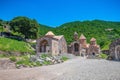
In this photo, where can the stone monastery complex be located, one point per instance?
(55, 45)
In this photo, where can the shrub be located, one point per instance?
(13, 58)
(103, 56)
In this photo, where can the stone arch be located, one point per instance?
(76, 47)
(93, 53)
(44, 46)
(117, 52)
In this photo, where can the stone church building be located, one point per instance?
(52, 44)
(80, 46)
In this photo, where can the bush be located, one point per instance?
(13, 58)
(103, 56)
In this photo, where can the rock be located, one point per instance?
(33, 58)
(51, 59)
(40, 60)
(48, 59)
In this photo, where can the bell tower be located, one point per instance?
(82, 39)
(93, 41)
(75, 36)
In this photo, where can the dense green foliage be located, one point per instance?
(103, 31)
(14, 45)
(25, 26)
(44, 29)
(2, 22)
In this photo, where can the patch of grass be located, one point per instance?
(7, 44)
(13, 58)
(106, 46)
(44, 55)
(64, 58)
(47, 62)
(2, 56)
(103, 56)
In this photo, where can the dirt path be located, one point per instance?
(74, 69)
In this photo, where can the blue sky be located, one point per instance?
(56, 12)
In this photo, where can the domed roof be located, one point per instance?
(50, 33)
(93, 39)
(82, 37)
(75, 33)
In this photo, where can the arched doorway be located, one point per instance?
(76, 47)
(43, 46)
(93, 53)
(117, 53)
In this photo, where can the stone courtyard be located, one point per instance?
(74, 69)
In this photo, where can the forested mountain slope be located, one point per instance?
(103, 31)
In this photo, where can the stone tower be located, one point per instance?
(75, 36)
(82, 40)
(93, 41)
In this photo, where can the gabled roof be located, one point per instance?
(93, 39)
(50, 33)
(58, 37)
(82, 37)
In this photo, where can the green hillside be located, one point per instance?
(44, 29)
(14, 45)
(103, 31)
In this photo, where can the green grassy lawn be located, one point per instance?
(106, 46)
(14, 45)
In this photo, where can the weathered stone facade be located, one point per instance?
(51, 44)
(80, 46)
(114, 49)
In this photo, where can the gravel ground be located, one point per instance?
(73, 69)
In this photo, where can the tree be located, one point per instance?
(25, 26)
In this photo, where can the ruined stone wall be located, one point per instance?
(112, 49)
(55, 50)
(62, 45)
